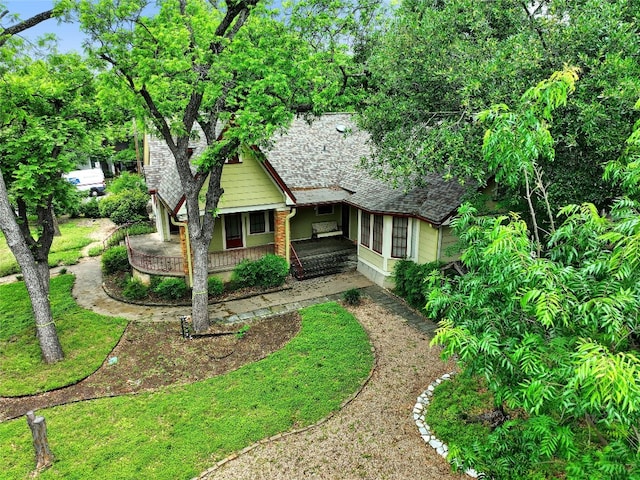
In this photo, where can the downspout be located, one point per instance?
(188, 246)
(287, 233)
(438, 252)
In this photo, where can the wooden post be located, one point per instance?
(38, 426)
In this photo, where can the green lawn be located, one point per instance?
(86, 339)
(65, 249)
(177, 432)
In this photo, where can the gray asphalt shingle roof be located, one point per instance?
(319, 162)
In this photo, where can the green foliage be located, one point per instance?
(409, 278)
(171, 288)
(90, 208)
(115, 259)
(135, 289)
(95, 251)
(161, 434)
(552, 327)
(269, 271)
(127, 182)
(125, 206)
(86, 339)
(438, 64)
(140, 228)
(352, 297)
(242, 331)
(215, 286)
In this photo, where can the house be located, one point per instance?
(307, 190)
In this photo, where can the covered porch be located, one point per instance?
(149, 254)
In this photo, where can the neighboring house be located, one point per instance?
(309, 186)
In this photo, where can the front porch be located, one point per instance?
(149, 254)
(314, 258)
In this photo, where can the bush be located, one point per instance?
(127, 181)
(90, 208)
(131, 207)
(115, 259)
(216, 286)
(352, 297)
(135, 289)
(269, 271)
(95, 251)
(171, 288)
(409, 280)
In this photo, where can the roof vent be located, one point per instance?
(341, 128)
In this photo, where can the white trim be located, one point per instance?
(252, 208)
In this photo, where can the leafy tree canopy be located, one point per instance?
(443, 62)
(554, 329)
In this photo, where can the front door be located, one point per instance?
(233, 230)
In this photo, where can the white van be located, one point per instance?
(91, 180)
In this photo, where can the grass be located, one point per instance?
(86, 339)
(65, 250)
(177, 432)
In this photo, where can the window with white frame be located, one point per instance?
(324, 210)
(261, 222)
(399, 235)
(376, 245)
(365, 229)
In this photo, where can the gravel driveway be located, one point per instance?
(374, 436)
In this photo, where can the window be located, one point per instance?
(399, 237)
(377, 233)
(257, 222)
(364, 229)
(272, 221)
(324, 210)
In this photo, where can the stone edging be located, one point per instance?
(419, 411)
(278, 436)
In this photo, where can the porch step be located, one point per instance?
(326, 264)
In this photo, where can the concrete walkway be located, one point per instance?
(89, 294)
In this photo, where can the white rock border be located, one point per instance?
(419, 411)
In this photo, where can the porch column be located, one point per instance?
(280, 235)
(184, 249)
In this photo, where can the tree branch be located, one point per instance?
(24, 25)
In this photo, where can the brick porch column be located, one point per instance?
(183, 251)
(280, 235)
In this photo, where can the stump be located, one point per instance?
(38, 426)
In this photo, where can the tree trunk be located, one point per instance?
(38, 426)
(33, 278)
(199, 296)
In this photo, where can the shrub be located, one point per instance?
(155, 281)
(115, 259)
(127, 181)
(409, 280)
(171, 288)
(95, 251)
(352, 297)
(108, 205)
(90, 208)
(269, 271)
(135, 289)
(131, 207)
(216, 286)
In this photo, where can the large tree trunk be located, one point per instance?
(199, 296)
(33, 275)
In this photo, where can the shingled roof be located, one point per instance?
(319, 163)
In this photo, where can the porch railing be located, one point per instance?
(296, 264)
(154, 264)
(220, 261)
(217, 261)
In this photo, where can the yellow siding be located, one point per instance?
(371, 257)
(259, 239)
(305, 216)
(216, 244)
(427, 243)
(353, 218)
(247, 184)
